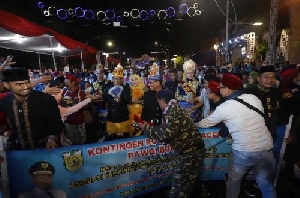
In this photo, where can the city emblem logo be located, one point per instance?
(73, 160)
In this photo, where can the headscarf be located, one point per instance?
(254, 75)
(140, 85)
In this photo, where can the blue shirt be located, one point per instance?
(40, 87)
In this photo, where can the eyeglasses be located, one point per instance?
(221, 87)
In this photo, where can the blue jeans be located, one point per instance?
(263, 166)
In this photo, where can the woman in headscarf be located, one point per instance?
(137, 88)
(252, 79)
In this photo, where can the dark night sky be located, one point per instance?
(190, 35)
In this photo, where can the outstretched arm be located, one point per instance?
(64, 112)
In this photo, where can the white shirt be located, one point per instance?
(246, 127)
(66, 69)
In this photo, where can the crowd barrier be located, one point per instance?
(118, 168)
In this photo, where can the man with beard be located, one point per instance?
(151, 111)
(34, 116)
(42, 178)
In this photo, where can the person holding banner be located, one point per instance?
(179, 130)
(34, 116)
(252, 142)
(41, 176)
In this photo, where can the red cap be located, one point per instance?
(286, 73)
(214, 86)
(72, 78)
(55, 73)
(231, 81)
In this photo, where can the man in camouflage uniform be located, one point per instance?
(180, 132)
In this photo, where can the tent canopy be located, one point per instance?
(20, 34)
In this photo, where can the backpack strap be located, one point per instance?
(249, 106)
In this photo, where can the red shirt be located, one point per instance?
(78, 117)
(3, 118)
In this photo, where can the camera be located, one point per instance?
(136, 126)
(155, 122)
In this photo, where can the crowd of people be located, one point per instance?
(63, 108)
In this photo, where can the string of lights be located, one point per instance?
(111, 15)
(233, 43)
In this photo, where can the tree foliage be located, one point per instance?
(179, 61)
(261, 50)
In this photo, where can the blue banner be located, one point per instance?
(119, 168)
(216, 155)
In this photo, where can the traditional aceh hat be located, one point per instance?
(154, 72)
(268, 68)
(118, 71)
(231, 81)
(189, 65)
(15, 74)
(214, 86)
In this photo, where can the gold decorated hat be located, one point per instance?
(154, 72)
(189, 65)
(41, 168)
(118, 71)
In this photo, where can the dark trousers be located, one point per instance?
(90, 133)
(294, 128)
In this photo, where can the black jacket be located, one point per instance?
(151, 110)
(118, 111)
(277, 107)
(43, 115)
